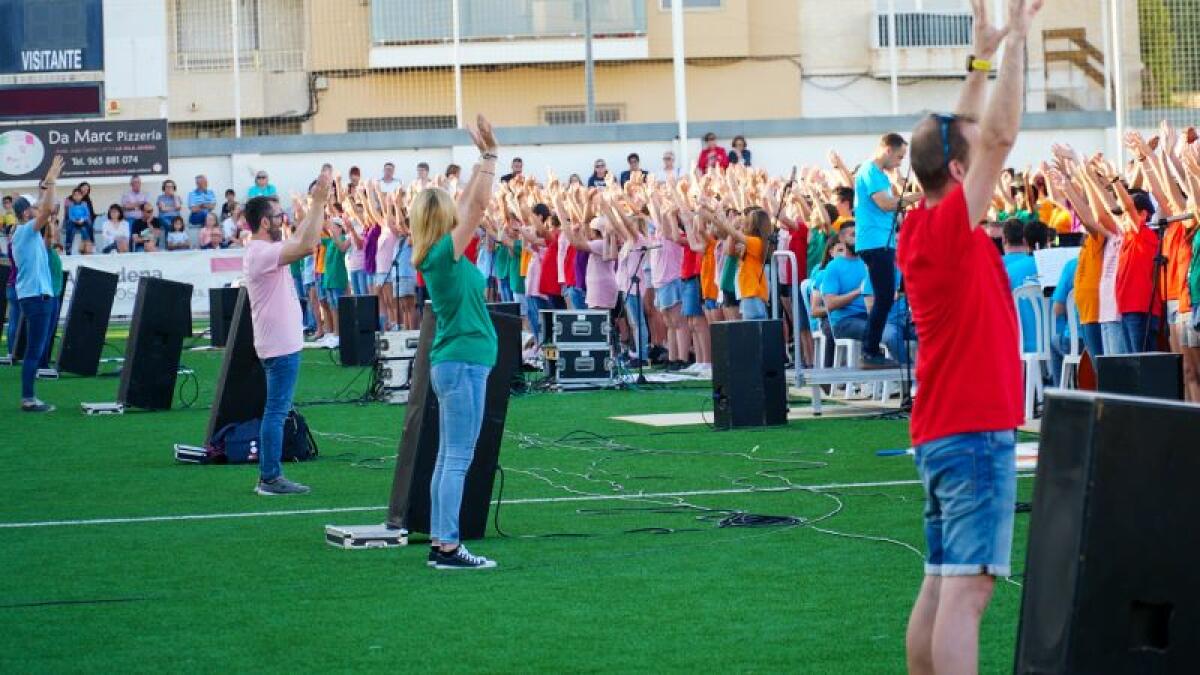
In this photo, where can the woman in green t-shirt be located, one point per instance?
(464, 346)
(335, 279)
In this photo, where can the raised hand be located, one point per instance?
(482, 135)
(987, 36)
(1020, 15)
(56, 167)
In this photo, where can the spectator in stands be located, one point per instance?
(211, 236)
(739, 154)
(262, 186)
(713, 156)
(575, 180)
(115, 230)
(154, 237)
(8, 219)
(669, 169)
(453, 171)
(78, 221)
(169, 203)
(422, 181)
(599, 177)
(86, 187)
(389, 182)
(140, 229)
(841, 289)
(518, 166)
(230, 230)
(229, 206)
(200, 201)
(132, 200)
(355, 179)
(635, 168)
(177, 237)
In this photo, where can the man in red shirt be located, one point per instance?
(970, 399)
(713, 155)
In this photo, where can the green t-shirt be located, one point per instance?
(55, 270)
(1194, 275)
(816, 249)
(335, 266)
(1020, 214)
(464, 330)
(500, 261)
(516, 282)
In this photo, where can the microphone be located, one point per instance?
(647, 248)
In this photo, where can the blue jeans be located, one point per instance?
(460, 388)
(576, 297)
(1093, 341)
(1135, 325)
(360, 282)
(753, 308)
(69, 231)
(38, 312)
(307, 318)
(1113, 336)
(851, 327)
(881, 264)
(533, 312)
(14, 316)
(970, 483)
(282, 372)
(506, 294)
(44, 361)
(1060, 346)
(637, 322)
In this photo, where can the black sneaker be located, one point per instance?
(36, 406)
(461, 559)
(434, 550)
(877, 362)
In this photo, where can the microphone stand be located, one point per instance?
(1160, 264)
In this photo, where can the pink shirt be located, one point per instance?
(274, 308)
(601, 278)
(385, 250)
(534, 275)
(665, 262)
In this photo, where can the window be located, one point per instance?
(416, 122)
(399, 22)
(665, 5)
(577, 114)
(927, 30)
(199, 23)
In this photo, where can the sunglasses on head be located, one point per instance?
(944, 122)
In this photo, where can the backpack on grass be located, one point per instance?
(238, 443)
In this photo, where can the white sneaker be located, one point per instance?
(330, 341)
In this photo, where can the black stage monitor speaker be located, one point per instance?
(1151, 374)
(358, 322)
(87, 321)
(162, 319)
(749, 374)
(19, 346)
(221, 302)
(409, 503)
(513, 308)
(1110, 573)
(241, 384)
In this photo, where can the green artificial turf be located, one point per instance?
(637, 585)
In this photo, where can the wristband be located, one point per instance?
(488, 155)
(975, 65)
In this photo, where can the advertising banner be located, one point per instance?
(89, 149)
(202, 269)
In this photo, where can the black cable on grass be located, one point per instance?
(189, 375)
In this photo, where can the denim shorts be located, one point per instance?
(710, 305)
(668, 295)
(381, 278)
(330, 296)
(753, 309)
(970, 485)
(406, 286)
(1189, 336)
(691, 297)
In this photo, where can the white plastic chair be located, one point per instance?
(1070, 365)
(846, 354)
(1033, 361)
(819, 345)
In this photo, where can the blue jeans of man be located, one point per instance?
(14, 316)
(38, 312)
(1113, 335)
(44, 362)
(282, 372)
(1093, 339)
(637, 322)
(851, 327)
(1139, 331)
(881, 265)
(1060, 346)
(460, 388)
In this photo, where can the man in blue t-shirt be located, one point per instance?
(875, 212)
(1022, 270)
(35, 293)
(841, 289)
(897, 321)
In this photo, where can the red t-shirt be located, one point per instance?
(472, 250)
(569, 267)
(718, 153)
(690, 266)
(548, 283)
(798, 245)
(968, 366)
(1135, 272)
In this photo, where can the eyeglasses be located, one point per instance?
(260, 178)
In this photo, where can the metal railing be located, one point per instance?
(794, 276)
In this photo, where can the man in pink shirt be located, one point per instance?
(278, 323)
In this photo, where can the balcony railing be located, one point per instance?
(398, 22)
(924, 29)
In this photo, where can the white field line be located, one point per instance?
(510, 502)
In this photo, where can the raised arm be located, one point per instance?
(46, 203)
(1002, 119)
(308, 232)
(479, 189)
